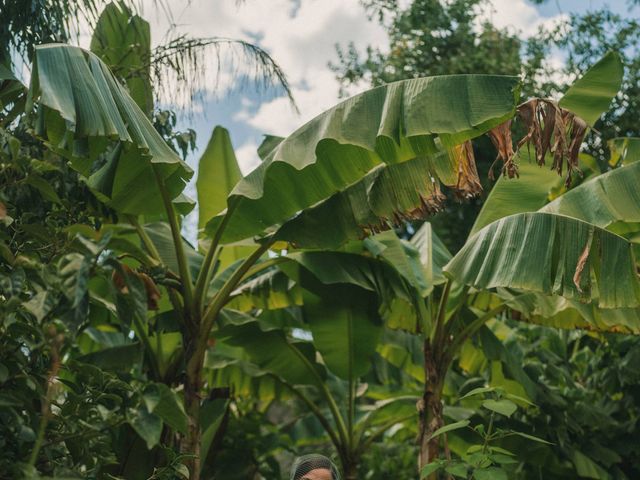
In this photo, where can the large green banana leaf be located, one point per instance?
(604, 200)
(385, 197)
(218, 173)
(386, 125)
(348, 269)
(12, 91)
(404, 257)
(85, 114)
(591, 95)
(271, 290)
(160, 235)
(346, 329)
(273, 351)
(508, 196)
(558, 312)
(434, 255)
(553, 255)
(123, 41)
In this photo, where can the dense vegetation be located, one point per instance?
(324, 307)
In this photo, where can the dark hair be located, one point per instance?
(307, 463)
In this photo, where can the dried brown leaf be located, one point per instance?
(501, 138)
(582, 261)
(151, 289)
(468, 184)
(554, 130)
(578, 131)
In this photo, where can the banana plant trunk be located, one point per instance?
(192, 388)
(351, 469)
(352, 473)
(430, 408)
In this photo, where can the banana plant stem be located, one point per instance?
(335, 411)
(153, 251)
(185, 274)
(207, 265)
(314, 408)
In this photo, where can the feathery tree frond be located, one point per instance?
(181, 62)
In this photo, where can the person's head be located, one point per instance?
(314, 467)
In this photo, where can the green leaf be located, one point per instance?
(503, 459)
(624, 150)
(509, 196)
(269, 143)
(491, 473)
(346, 329)
(477, 391)
(218, 173)
(386, 125)
(167, 406)
(40, 304)
(122, 40)
(211, 417)
(604, 200)
(449, 428)
(495, 350)
(86, 115)
(591, 95)
(43, 187)
(147, 425)
(558, 312)
(119, 358)
(430, 468)
(403, 257)
(458, 470)
(587, 468)
(12, 91)
(433, 253)
(531, 437)
(552, 255)
(74, 269)
(160, 235)
(503, 407)
(272, 351)
(381, 200)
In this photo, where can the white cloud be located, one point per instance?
(247, 157)
(303, 45)
(519, 15)
(301, 37)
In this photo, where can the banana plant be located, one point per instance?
(384, 153)
(553, 263)
(346, 335)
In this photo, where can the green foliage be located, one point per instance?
(484, 458)
(337, 149)
(123, 345)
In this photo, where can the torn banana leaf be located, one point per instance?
(552, 255)
(84, 114)
(605, 200)
(387, 125)
(559, 312)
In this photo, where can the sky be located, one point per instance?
(301, 35)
